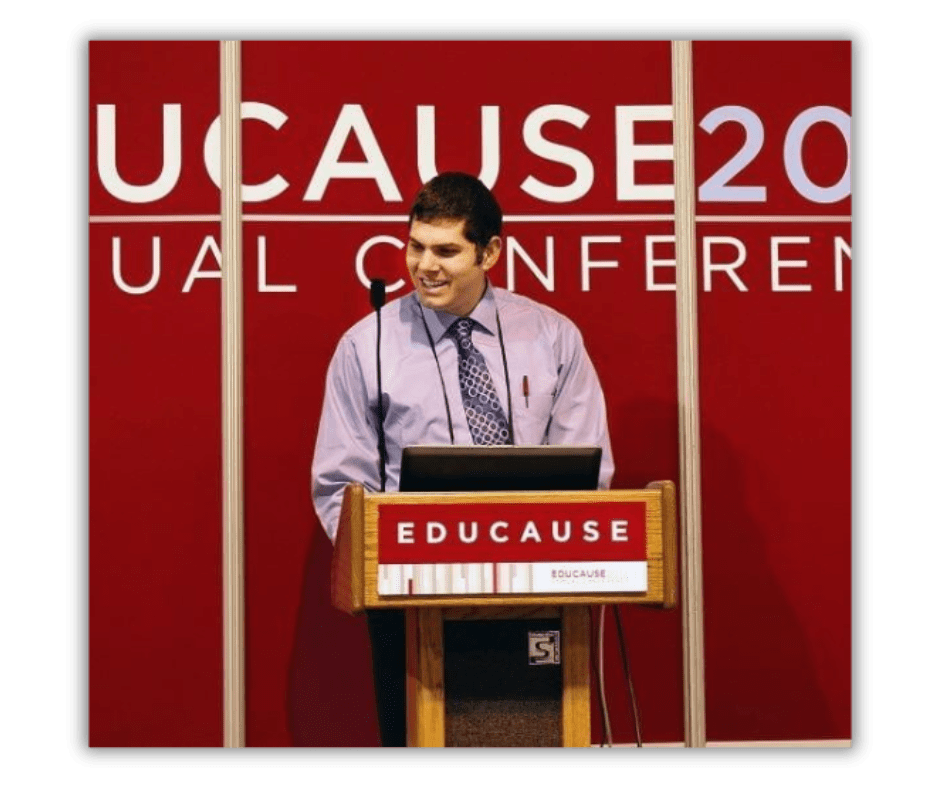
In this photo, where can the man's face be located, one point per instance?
(447, 271)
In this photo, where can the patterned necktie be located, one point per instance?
(485, 416)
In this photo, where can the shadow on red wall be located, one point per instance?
(762, 675)
(330, 699)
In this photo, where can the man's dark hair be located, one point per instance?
(456, 195)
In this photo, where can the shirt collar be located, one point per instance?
(484, 313)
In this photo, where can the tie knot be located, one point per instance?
(462, 327)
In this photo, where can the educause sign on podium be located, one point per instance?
(508, 555)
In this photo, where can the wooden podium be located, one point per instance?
(445, 557)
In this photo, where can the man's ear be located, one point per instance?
(491, 253)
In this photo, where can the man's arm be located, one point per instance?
(347, 446)
(579, 414)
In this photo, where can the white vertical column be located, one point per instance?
(233, 575)
(690, 493)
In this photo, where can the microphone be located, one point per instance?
(377, 297)
(377, 293)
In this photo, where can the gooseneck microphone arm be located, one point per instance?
(377, 296)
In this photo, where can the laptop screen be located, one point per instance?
(499, 468)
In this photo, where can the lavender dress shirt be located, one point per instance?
(565, 403)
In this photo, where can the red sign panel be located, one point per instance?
(504, 532)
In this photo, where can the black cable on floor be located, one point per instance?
(629, 676)
(595, 650)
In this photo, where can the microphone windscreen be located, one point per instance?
(377, 293)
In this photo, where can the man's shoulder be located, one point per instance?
(519, 306)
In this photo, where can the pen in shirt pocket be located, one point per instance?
(525, 389)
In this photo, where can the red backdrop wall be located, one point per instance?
(775, 359)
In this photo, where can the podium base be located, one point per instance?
(493, 696)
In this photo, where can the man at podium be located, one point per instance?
(462, 363)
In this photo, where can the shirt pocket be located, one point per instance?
(531, 418)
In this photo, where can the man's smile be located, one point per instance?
(432, 284)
